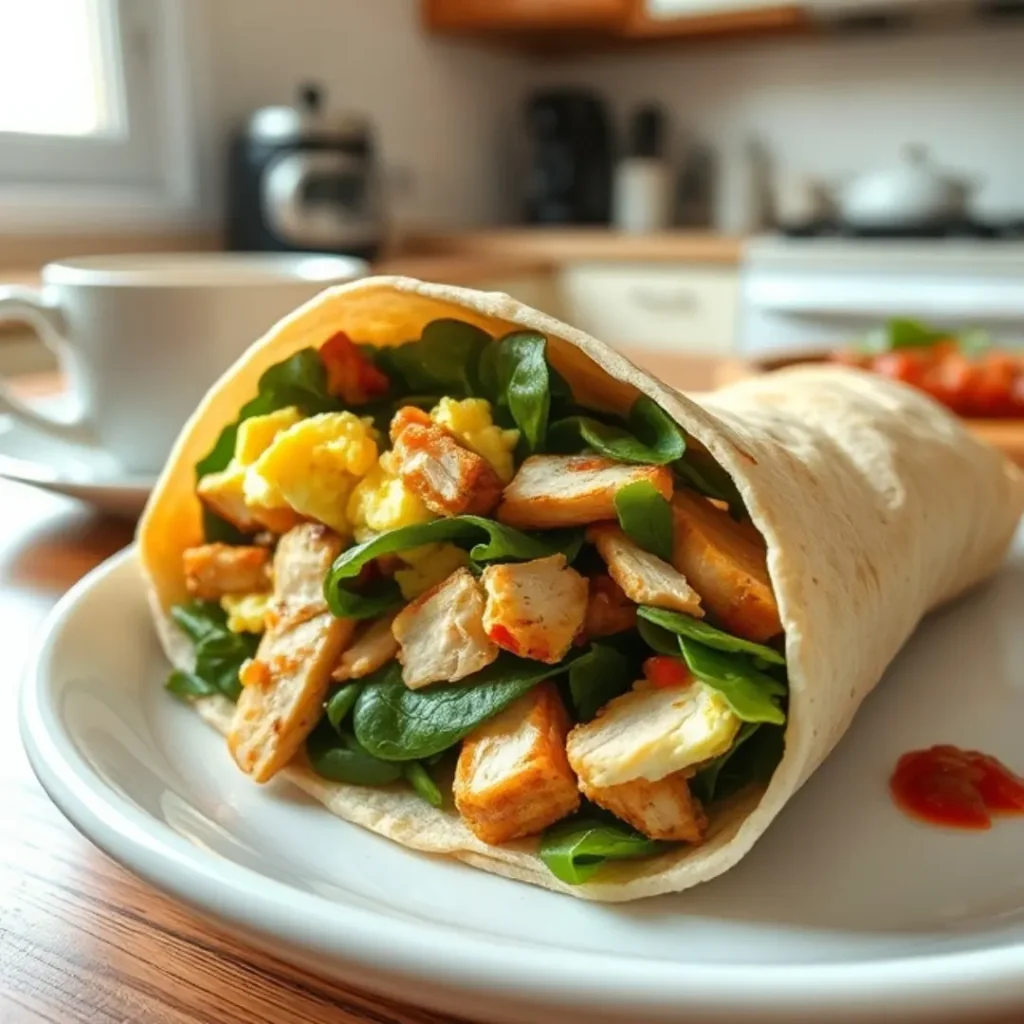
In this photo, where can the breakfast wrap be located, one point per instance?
(477, 583)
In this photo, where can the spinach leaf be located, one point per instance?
(443, 361)
(901, 333)
(487, 540)
(419, 778)
(699, 471)
(595, 678)
(657, 638)
(574, 849)
(646, 518)
(341, 703)
(341, 758)
(696, 629)
(754, 756)
(219, 652)
(398, 724)
(524, 384)
(299, 380)
(747, 691)
(650, 437)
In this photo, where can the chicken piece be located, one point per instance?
(535, 609)
(665, 809)
(406, 417)
(512, 777)
(449, 479)
(725, 562)
(351, 376)
(213, 570)
(374, 647)
(645, 578)
(609, 611)
(285, 684)
(224, 494)
(441, 634)
(652, 732)
(572, 490)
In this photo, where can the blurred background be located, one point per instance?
(706, 177)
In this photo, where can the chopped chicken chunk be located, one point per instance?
(449, 479)
(652, 732)
(223, 493)
(512, 777)
(609, 611)
(644, 577)
(441, 634)
(406, 417)
(572, 490)
(285, 685)
(213, 570)
(374, 647)
(535, 609)
(725, 563)
(665, 809)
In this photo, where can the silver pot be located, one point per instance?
(913, 192)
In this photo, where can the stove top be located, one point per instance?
(996, 231)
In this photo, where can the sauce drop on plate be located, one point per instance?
(956, 788)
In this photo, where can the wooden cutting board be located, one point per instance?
(1006, 435)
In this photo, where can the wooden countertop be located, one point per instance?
(564, 245)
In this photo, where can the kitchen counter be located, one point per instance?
(564, 245)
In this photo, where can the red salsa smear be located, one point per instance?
(956, 788)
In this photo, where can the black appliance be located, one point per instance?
(570, 172)
(305, 179)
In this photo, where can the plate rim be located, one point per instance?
(357, 939)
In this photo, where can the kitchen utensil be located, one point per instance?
(642, 194)
(143, 337)
(569, 178)
(305, 179)
(914, 191)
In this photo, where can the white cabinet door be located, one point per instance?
(663, 306)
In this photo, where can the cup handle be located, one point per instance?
(30, 307)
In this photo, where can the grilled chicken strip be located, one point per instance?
(535, 609)
(441, 634)
(285, 684)
(665, 809)
(609, 611)
(213, 570)
(374, 647)
(223, 493)
(725, 562)
(571, 490)
(449, 479)
(644, 577)
(512, 777)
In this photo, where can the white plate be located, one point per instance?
(845, 908)
(30, 457)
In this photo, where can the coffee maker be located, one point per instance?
(569, 179)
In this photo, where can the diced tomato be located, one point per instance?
(908, 367)
(664, 671)
(502, 636)
(350, 374)
(992, 386)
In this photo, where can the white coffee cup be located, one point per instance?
(142, 337)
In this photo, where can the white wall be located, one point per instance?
(833, 106)
(442, 109)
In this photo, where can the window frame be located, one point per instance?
(147, 175)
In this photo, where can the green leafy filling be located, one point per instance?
(646, 518)
(219, 652)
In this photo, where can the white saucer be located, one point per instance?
(30, 457)
(845, 910)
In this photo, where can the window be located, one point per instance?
(94, 113)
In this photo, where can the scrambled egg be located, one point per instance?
(470, 421)
(652, 732)
(256, 434)
(313, 467)
(246, 612)
(428, 566)
(381, 502)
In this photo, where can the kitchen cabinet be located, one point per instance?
(563, 23)
(682, 308)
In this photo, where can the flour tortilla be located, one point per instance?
(875, 503)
